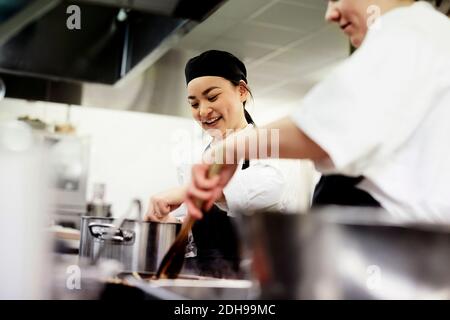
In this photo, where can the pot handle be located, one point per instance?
(107, 231)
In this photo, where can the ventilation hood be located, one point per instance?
(117, 38)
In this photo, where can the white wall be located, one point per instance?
(131, 152)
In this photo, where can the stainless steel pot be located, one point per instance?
(348, 253)
(138, 245)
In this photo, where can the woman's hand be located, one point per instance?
(162, 204)
(166, 219)
(206, 190)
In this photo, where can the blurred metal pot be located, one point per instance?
(348, 253)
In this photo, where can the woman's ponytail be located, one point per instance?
(248, 117)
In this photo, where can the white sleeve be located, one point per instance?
(258, 187)
(372, 103)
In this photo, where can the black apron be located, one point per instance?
(217, 242)
(341, 190)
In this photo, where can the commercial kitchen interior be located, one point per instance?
(286, 46)
(130, 130)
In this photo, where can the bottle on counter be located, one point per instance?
(98, 207)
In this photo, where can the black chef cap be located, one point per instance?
(216, 63)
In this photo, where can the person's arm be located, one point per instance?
(288, 142)
(293, 142)
(279, 139)
(161, 204)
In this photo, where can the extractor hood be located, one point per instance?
(117, 37)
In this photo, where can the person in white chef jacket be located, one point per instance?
(383, 114)
(218, 92)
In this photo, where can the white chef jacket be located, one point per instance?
(273, 184)
(385, 114)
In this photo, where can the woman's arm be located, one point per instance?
(161, 204)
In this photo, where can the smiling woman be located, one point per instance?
(227, 100)
(217, 92)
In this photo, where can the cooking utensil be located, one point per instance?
(114, 231)
(173, 261)
(348, 253)
(138, 245)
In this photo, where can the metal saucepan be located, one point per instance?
(347, 253)
(138, 245)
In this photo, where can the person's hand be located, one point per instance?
(161, 204)
(206, 190)
(165, 219)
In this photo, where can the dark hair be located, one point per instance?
(247, 115)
